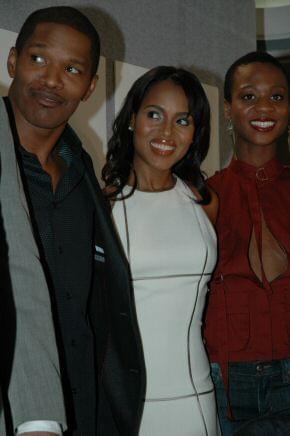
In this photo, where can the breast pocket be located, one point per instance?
(99, 256)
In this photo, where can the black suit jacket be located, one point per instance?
(121, 367)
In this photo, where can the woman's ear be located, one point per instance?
(132, 123)
(227, 110)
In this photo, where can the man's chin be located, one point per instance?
(48, 124)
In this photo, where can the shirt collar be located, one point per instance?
(69, 147)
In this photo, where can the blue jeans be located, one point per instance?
(259, 395)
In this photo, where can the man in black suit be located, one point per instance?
(53, 67)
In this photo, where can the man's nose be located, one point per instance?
(52, 77)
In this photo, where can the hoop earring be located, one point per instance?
(231, 131)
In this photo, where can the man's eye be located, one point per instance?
(154, 115)
(72, 70)
(37, 59)
(277, 97)
(248, 97)
(183, 121)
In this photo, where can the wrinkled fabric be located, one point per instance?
(248, 319)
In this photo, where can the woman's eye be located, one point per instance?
(37, 59)
(154, 115)
(72, 70)
(183, 121)
(277, 97)
(248, 97)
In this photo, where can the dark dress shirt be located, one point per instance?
(64, 229)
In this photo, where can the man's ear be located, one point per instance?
(227, 110)
(11, 62)
(91, 87)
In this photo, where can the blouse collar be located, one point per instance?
(267, 172)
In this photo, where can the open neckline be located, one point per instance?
(144, 191)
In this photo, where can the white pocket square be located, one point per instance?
(99, 249)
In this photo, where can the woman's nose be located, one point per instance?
(264, 104)
(167, 128)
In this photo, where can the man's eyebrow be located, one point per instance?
(37, 45)
(77, 61)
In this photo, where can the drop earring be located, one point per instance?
(231, 131)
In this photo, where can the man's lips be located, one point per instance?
(47, 99)
(265, 125)
(162, 147)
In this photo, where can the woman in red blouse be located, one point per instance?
(247, 327)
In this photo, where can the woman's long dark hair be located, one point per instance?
(120, 153)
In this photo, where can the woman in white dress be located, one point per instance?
(162, 211)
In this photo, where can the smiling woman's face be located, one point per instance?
(163, 129)
(259, 108)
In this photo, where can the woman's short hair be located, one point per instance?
(249, 58)
(121, 148)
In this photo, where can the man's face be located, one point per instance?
(51, 75)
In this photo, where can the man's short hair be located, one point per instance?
(67, 16)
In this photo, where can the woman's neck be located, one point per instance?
(152, 183)
(256, 156)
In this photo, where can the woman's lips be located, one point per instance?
(162, 147)
(263, 125)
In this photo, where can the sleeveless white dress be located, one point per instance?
(171, 247)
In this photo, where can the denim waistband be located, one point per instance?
(257, 367)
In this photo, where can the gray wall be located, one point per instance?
(205, 35)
